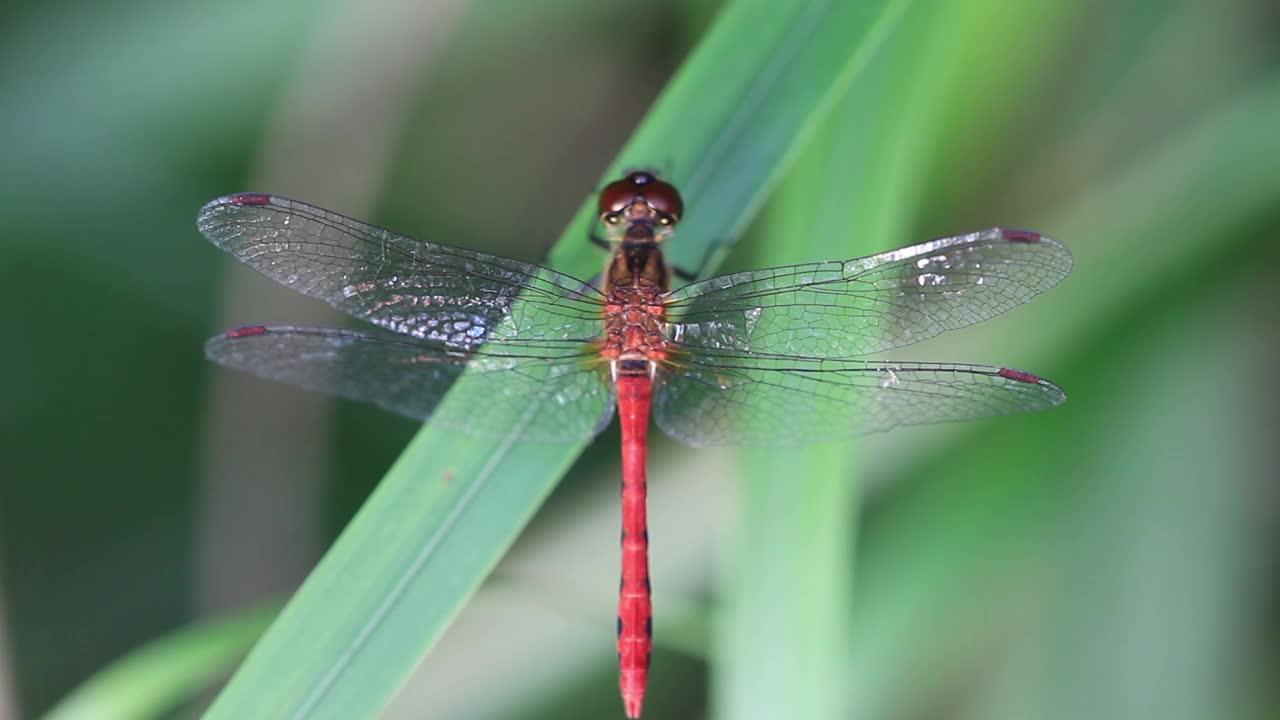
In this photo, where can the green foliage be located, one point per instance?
(162, 675)
(1104, 560)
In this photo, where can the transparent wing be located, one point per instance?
(434, 292)
(556, 399)
(844, 309)
(741, 400)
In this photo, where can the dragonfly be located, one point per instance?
(770, 357)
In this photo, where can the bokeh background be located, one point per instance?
(1115, 558)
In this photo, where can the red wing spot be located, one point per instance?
(1018, 375)
(251, 199)
(248, 331)
(1020, 235)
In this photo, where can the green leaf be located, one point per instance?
(1159, 233)
(745, 101)
(858, 190)
(157, 677)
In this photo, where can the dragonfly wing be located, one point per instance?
(844, 309)
(449, 295)
(555, 399)
(742, 400)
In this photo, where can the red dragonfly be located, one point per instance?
(759, 358)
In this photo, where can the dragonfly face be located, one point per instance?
(639, 208)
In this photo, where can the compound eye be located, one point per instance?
(664, 198)
(615, 196)
(661, 196)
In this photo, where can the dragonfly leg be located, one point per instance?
(690, 276)
(599, 240)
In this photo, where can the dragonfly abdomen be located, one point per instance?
(635, 610)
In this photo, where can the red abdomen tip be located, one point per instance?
(247, 331)
(1021, 235)
(1018, 375)
(251, 199)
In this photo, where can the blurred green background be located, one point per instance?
(1115, 558)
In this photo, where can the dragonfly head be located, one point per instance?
(640, 208)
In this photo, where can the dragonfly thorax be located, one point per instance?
(637, 263)
(635, 317)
